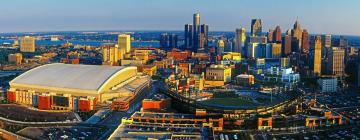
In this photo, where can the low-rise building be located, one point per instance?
(178, 55)
(328, 84)
(232, 56)
(245, 80)
(148, 69)
(15, 58)
(217, 75)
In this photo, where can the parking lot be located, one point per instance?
(62, 133)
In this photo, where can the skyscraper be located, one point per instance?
(286, 45)
(124, 44)
(297, 32)
(110, 53)
(326, 48)
(327, 41)
(188, 36)
(270, 35)
(343, 42)
(296, 36)
(27, 44)
(196, 31)
(273, 50)
(164, 41)
(336, 61)
(277, 35)
(220, 46)
(239, 40)
(202, 41)
(317, 55)
(205, 30)
(256, 27)
(196, 35)
(168, 41)
(173, 38)
(305, 41)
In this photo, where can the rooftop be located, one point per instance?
(83, 77)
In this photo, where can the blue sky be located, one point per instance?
(318, 16)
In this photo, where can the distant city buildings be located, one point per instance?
(196, 35)
(27, 44)
(168, 41)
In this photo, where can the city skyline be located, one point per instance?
(141, 69)
(110, 15)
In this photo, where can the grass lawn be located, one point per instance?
(229, 101)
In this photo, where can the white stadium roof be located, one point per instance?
(68, 76)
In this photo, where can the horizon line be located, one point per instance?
(148, 30)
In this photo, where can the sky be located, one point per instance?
(340, 17)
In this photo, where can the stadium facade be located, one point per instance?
(75, 87)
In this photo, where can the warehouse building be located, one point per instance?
(74, 87)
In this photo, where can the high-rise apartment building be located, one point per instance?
(27, 44)
(110, 54)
